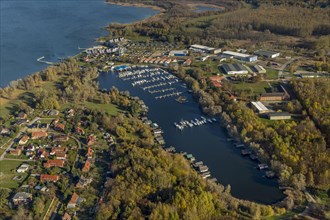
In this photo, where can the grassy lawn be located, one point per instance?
(271, 74)
(257, 88)
(19, 96)
(8, 169)
(109, 108)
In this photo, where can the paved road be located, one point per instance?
(23, 160)
(282, 68)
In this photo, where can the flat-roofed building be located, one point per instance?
(205, 49)
(178, 53)
(279, 116)
(240, 56)
(257, 69)
(273, 96)
(234, 69)
(259, 107)
(268, 54)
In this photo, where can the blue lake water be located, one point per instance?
(208, 143)
(54, 29)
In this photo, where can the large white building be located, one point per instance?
(204, 49)
(268, 54)
(240, 56)
(261, 108)
(178, 53)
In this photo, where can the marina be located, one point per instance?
(206, 143)
(153, 80)
(194, 122)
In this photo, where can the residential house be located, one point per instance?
(91, 139)
(23, 168)
(83, 182)
(87, 166)
(187, 62)
(23, 140)
(53, 112)
(89, 153)
(216, 80)
(79, 130)
(59, 126)
(75, 201)
(66, 216)
(22, 198)
(4, 131)
(15, 152)
(43, 153)
(58, 150)
(30, 148)
(60, 155)
(21, 115)
(54, 163)
(49, 178)
(38, 134)
(70, 113)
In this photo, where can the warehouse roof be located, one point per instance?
(201, 47)
(265, 53)
(233, 67)
(260, 106)
(235, 54)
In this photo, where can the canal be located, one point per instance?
(208, 143)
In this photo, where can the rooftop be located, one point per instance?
(260, 106)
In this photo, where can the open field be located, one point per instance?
(257, 88)
(19, 96)
(8, 170)
(109, 108)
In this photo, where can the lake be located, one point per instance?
(54, 29)
(208, 143)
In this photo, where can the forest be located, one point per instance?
(245, 22)
(314, 93)
(146, 181)
(149, 182)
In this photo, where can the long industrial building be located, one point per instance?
(204, 49)
(234, 69)
(268, 54)
(259, 107)
(240, 56)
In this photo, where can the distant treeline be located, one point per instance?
(305, 3)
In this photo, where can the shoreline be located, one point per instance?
(161, 11)
(139, 5)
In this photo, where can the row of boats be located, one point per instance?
(154, 80)
(261, 166)
(199, 166)
(194, 122)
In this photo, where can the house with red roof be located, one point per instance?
(87, 166)
(38, 134)
(54, 163)
(49, 178)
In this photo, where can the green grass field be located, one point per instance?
(109, 108)
(19, 96)
(257, 88)
(8, 170)
(271, 74)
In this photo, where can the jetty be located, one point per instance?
(40, 59)
(193, 123)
